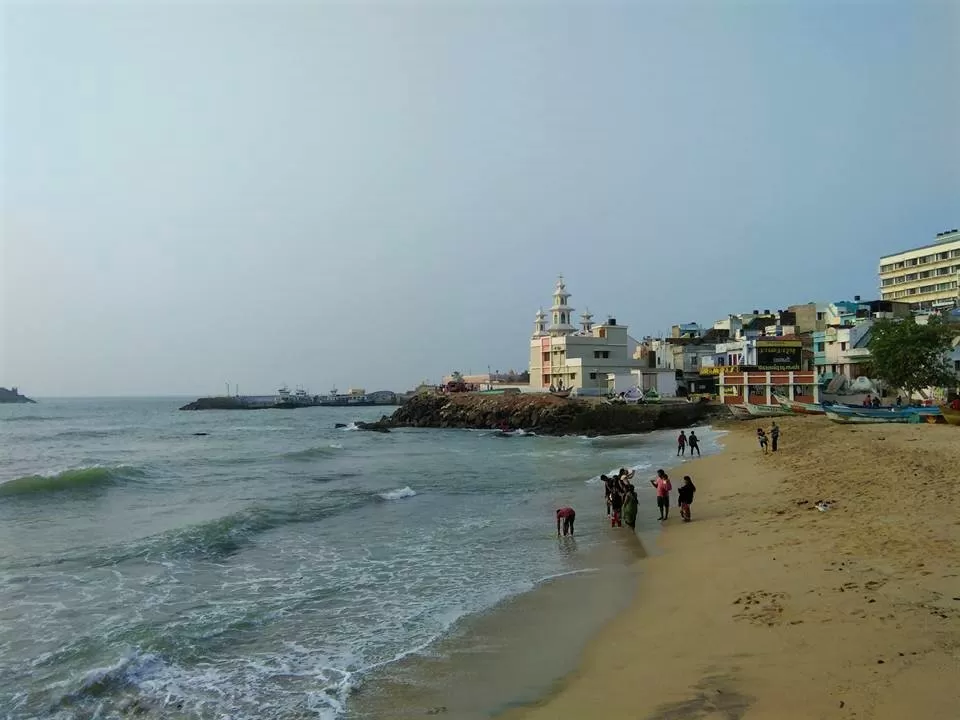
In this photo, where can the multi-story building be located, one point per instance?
(927, 276)
(563, 357)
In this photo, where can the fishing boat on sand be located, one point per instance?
(800, 408)
(748, 411)
(850, 419)
(885, 412)
(767, 410)
(950, 415)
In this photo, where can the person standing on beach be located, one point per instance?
(682, 443)
(685, 497)
(567, 516)
(663, 486)
(774, 436)
(607, 490)
(630, 504)
(762, 437)
(694, 442)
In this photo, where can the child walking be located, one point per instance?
(762, 437)
(685, 497)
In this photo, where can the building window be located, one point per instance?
(606, 353)
(820, 347)
(546, 357)
(843, 346)
(596, 354)
(573, 376)
(593, 376)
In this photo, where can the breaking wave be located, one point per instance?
(229, 534)
(399, 493)
(72, 479)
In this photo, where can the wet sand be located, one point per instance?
(765, 607)
(517, 651)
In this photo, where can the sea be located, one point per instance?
(268, 564)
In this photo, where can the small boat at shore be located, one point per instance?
(849, 419)
(950, 415)
(767, 410)
(800, 408)
(740, 412)
(561, 393)
(884, 412)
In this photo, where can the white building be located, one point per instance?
(563, 357)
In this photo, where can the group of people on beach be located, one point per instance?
(620, 495)
(683, 440)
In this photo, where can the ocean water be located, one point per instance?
(279, 567)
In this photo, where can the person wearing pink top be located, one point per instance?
(663, 486)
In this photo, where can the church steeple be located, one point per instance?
(561, 312)
(540, 324)
(586, 322)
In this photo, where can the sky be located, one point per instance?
(376, 193)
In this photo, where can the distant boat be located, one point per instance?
(800, 408)
(864, 419)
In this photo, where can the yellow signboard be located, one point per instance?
(717, 369)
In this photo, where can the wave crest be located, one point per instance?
(399, 493)
(71, 479)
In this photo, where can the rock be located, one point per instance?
(378, 426)
(340, 425)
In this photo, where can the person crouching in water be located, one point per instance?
(567, 516)
(685, 497)
(630, 506)
(616, 505)
(663, 486)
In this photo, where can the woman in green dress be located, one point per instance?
(630, 507)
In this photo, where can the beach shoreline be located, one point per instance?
(518, 650)
(765, 607)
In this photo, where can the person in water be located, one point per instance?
(608, 483)
(616, 505)
(566, 515)
(663, 486)
(630, 506)
(694, 443)
(685, 497)
(682, 443)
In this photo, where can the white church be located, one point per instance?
(596, 358)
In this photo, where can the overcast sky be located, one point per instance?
(376, 193)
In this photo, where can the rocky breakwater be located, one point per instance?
(543, 414)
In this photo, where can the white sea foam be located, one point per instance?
(399, 493)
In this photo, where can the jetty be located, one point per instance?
(13, 396)
(542, 413)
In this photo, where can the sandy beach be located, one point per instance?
(766, 607)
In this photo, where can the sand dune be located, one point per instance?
(765, 607)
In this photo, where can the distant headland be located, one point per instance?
(13, 396)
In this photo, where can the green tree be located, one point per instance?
(911, 356)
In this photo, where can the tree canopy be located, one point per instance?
(911, 356)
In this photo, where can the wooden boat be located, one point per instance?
(767, 410)
(950, 415)
(801, 408)
(740, 412)
(561, 393)
(884, 412)
(932, 419)
(863, 419)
